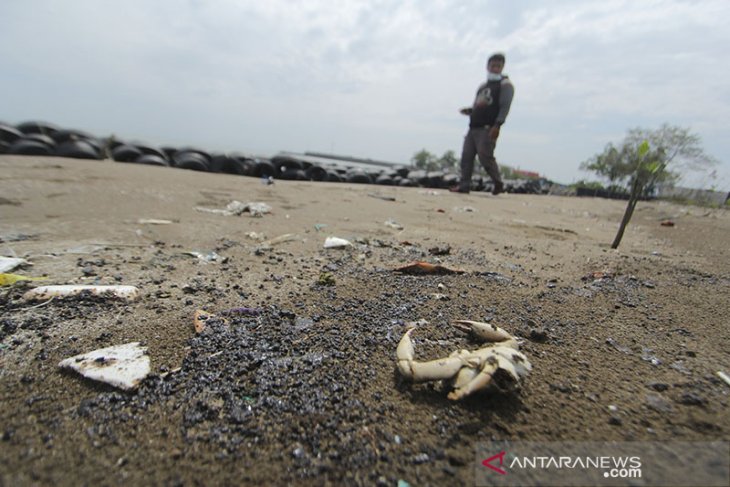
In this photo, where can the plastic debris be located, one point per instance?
(722, 375)
(153, 221)
(419, 268)
(209, 257)
(235, 208)
(10, 263)
(46, 292)
(647, 355)
(393, 224)
(123, 366)
(319, 226)
(10, 279)
(336, 242)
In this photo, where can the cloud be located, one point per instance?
(378, 79)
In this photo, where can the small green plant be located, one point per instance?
(650, 166)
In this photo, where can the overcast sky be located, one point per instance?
(378, 79)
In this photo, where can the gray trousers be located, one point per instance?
(477, 142)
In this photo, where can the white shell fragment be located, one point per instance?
(46, 292)
(122, 366)
(235, 208)
(10, 263)
(336, 242)
(154, 221)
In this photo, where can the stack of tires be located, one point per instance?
(45, 139)
(36, 138)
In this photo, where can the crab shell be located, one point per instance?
(466, 371)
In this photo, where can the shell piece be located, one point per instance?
(46, 292)
(10, 263)
(336, 242)
(122, 366)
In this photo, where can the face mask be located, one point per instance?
(494, 76)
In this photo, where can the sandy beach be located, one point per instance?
(625, 345)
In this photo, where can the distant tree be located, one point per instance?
(448, 161)
(424, 160)
(427, 161)
(643, 159)
(674, 148)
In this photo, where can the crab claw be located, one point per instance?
(470, 380)
(445, 368)
(484, 331)
(474, 378)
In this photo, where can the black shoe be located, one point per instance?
(498, 188)
(456, 189)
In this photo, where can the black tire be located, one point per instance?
(358, 177)
(384, 180)
(126, 153)
(403, 171)
(316, 173)
(43, 139)
(192, 150)
(333, 177)
(192, 161)
(169, 151)
(27, 147)
(9, 134)
(37, 127)
(286, 162)
(263, 169)
(419, 177)
(151, 150)
(152, 160)
(78, 149)
(435, 179)
(64, 135)
(451, 180)
(293, 174)
(219, 162)
(241, 166)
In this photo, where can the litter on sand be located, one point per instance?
(46, 292)
(10, 263)
(10, 279)
(235, 208)
(209, 257)
(154, 221)
(123, 366)
(336, 242)
(393, 224)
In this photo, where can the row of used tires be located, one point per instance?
(44, 139)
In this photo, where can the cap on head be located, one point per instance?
(497, 56)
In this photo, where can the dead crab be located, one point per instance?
(467, 371)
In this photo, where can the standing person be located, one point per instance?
(486, 116)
